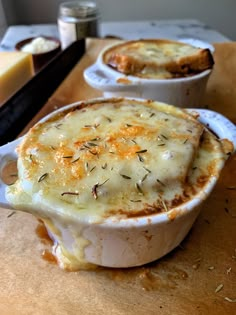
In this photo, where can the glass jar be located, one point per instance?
(76, 20)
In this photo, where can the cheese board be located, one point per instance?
(24, 104)
(198, 277)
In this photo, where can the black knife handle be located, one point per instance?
(18, 110)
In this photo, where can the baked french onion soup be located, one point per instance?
(113, 159)
(158, 59)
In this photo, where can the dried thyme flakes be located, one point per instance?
(160, 182)
(144, 177)
(125, 176)
(164, 204)
(76, 160)
(93, 168)
(96, 139)
(93, 153)
(139, 189)
(104, 166)
(94, 191)
(165, 137)
(146, 169)
(231, 187)
(197, 263)
(230, 212)
(228, 270)
(219, 288)
(95, 187)
(41, 178)
(58, 125)
(70, 193)
(140, 158)
(11, 214)
(92, 144)
(211, 268)
(141, 151)
(230, 300)
(86, 166)
(95, 126)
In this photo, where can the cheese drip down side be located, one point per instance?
(114, 159)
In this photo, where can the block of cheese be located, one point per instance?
(16, 68)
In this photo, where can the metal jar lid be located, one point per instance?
(78, 9)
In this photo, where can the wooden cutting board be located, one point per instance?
(198, 277)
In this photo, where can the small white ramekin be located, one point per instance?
(182, 92)
(124, 242)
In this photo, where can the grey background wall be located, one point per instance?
(218, 14)
(2, 20)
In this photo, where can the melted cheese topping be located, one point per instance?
(123, 158)
(157, 59)
(150, 51)
(113, 159)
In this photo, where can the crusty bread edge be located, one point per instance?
(186, 65)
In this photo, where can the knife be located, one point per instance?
(18, 110)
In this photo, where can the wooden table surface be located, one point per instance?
(199, 277)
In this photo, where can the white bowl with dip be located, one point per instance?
(122, 238)
(182, 92)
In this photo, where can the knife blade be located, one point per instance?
(18, 110)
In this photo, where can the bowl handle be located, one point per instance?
(97, 78)
(218, 123)
(7, 154)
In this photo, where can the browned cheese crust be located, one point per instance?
(158, 58)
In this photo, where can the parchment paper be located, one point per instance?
(199, 277)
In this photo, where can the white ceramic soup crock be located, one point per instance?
(182, 92)
(125, 242)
